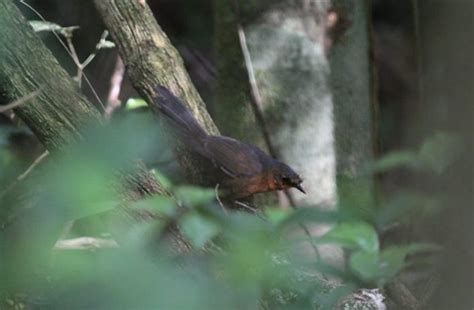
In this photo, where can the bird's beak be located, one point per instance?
(300, 188)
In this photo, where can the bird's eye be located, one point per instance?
(286, 180)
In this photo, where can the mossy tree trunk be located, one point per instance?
(354, 101)
(285, 44)
(26, 65)
(150, 60)
(285, 41)
(57, 117)
(59, 113)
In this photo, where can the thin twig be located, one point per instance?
(256, 101)
(73, 52)
(255, 98)
(85, 243)
(303, 226)
(20, 101)
(219, 199)
(81, 66)
(56, 35)
(75, 58)
(245, 206)
(253, 210)
(92, 55)
(67, 228)
(113, 101)
(24, 174)
(33, 165)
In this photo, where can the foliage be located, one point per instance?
(135, 103)
(435, 155)
(237, 260)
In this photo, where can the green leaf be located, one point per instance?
(313, 215)
(379, 268)
(365, 265)
(135, 103)
(95, 208)
(403, 205)
(392, 261)
(140, 236)
(396, 160)
(86, 193)
(194, 196)
(198, 228)
(422, 247)
(333, 271)
(356, 235)
(277, 215)
(356, 196)
(161, 204)
(162, 179)
(435, 154)
(439, 151)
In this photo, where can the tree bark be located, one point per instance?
(285, 43)
(292, 74)
(150, 58)
(446, 49)
(353, 94)
(26, 65)
(56, 116)
(59, 113)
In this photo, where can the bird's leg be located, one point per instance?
(251, 209)
(216, 189)
(245, 206)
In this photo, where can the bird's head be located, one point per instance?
(284, 177)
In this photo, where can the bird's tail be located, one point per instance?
(179, 117)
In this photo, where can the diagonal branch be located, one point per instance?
(19, 101)
(58, 113)
(150, 58)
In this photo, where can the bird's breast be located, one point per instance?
(246, 186)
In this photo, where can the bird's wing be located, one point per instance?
(234, 158)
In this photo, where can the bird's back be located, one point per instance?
(235, 158)
(241, 167)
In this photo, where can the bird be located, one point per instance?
(244, 169)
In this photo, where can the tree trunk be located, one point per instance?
(446, 49)
(286, 48)
(59, 113)
(150, 60)
(287, 53)
(354, 101)
(56, 116)
(233, 110)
